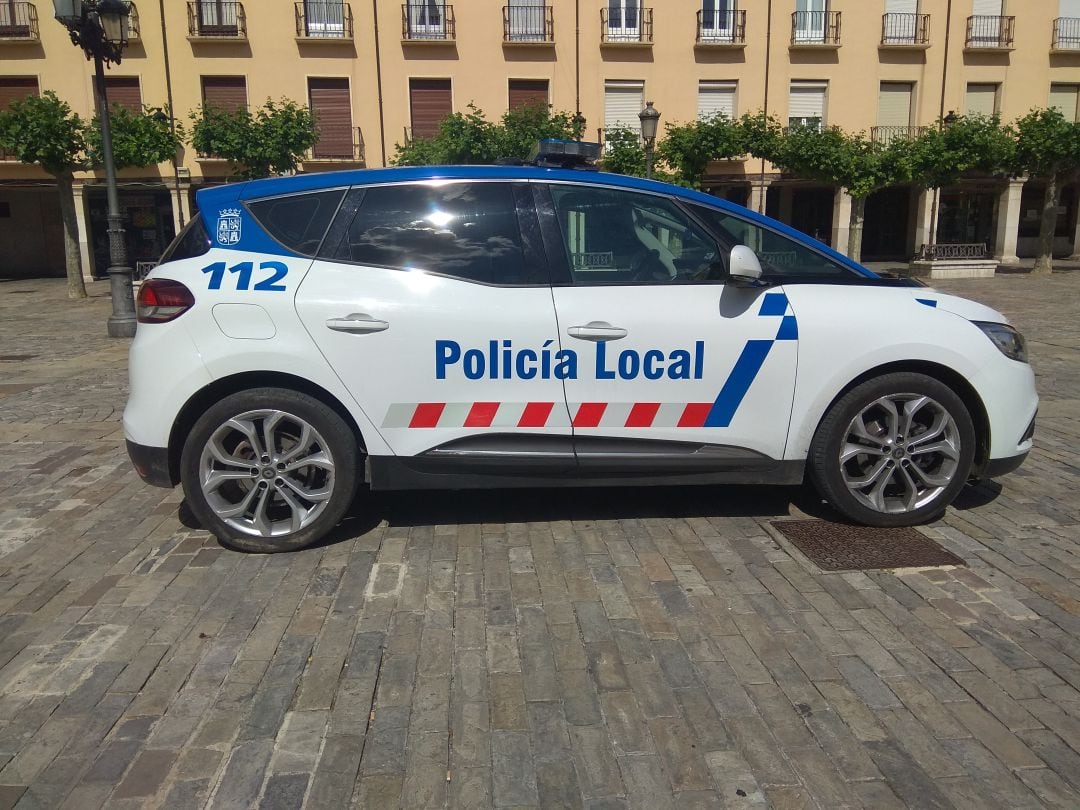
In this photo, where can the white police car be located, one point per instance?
(463, 327)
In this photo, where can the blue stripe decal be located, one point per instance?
(773, 304)
(738, 382)
(789, 329)
(930, 302)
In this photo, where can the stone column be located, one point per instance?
(85, 253)
(1008, 222)
(841, 221)
(1076, 232)
(924, 211)
(758, 190)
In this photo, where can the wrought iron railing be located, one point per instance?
(19, 21)
(528, 23)
(815, 28)
(886, 135)
(990, 32)
(425, 22)
(633, 25)
(134, 32)
(215, 19)
(1067, 34)
(323, 19)
(340, 152)
(905, 29)
(721, 27)
(972, 252)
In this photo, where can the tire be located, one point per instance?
(897, 479)
(225, 471)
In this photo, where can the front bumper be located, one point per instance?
(152, 464)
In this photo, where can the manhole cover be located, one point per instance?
(840, 547)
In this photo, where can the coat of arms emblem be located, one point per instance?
(228, 227)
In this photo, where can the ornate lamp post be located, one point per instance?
(100, 28)
(650, 120)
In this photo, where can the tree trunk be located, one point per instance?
(72, 256)
(855, 228)
(1044, 261)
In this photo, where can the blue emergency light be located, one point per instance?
(553, 153)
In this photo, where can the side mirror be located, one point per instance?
(744, 269)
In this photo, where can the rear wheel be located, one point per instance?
(893, 451)
(270, 469)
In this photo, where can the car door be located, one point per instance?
(433, 305)
(677, 371)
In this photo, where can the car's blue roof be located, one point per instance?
(217, 197)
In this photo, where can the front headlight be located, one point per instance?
(1008, 340)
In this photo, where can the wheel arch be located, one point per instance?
(234, 383)
(945, 375)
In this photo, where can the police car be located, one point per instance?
(517, 326)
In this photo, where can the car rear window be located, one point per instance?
(298, 221)
(191, 241)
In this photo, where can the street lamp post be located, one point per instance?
(650, 120)
(100, 28)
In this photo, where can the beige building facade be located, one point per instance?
(379, 72)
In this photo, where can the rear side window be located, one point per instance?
(191, 241)
(468, 231)
(298, 221)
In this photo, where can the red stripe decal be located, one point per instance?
(536, 414)
(695, 414)
(482, 414)
(427, 414)
(589, 414)
(642, 414)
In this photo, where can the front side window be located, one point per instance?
(623, 237)
(468, 231)
(781, 257)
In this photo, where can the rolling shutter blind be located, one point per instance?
(13, 88)
(528, 93)
(894, 104)
(1069, 8)
(716, 97)
(807, 102)
(123, 91)
(622, 103)
(225, 92)
(982, 99)
(430, 101)
(331, 105)
(901, 6)
(990, 8)
(1064, 97)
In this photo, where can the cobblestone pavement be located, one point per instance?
(654, 648)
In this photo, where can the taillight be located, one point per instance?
(162, 300)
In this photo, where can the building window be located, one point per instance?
(332, 107)
(716, 98)
(13, 88)
(528, 93)
(430, 101)
(811, 20)
(806, 107)
(228, 93)
(1065, 97)
(623, 101)
(123, 91)
(982, 99)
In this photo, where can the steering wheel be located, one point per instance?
(646, 266)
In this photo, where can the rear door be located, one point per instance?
(433, 305)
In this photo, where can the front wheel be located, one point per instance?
(894, 451)
(269, 470)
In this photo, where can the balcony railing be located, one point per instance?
(631, 25)
(216, 19)
(426, 22)
(815, 28)
(134, 32)
(995, 33)
(528, 24)
(1067, 34)
(18, 21)
(323, 20)
(886, 135)
(338, 152)
(721, 27)
(905, 29)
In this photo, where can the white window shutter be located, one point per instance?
(982, 99)
(1069, 8)
(716, 97)
(807, 101)
(1065, 97)
(901, 6)
(894, 104)
(988, 8)
(623, 101)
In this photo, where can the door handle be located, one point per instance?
(358, 323)
(597, 331)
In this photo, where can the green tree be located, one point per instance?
(623, 152)
(1048, 148)
(138, 138)
(272, 140)
(44, 131)
(689, 148)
